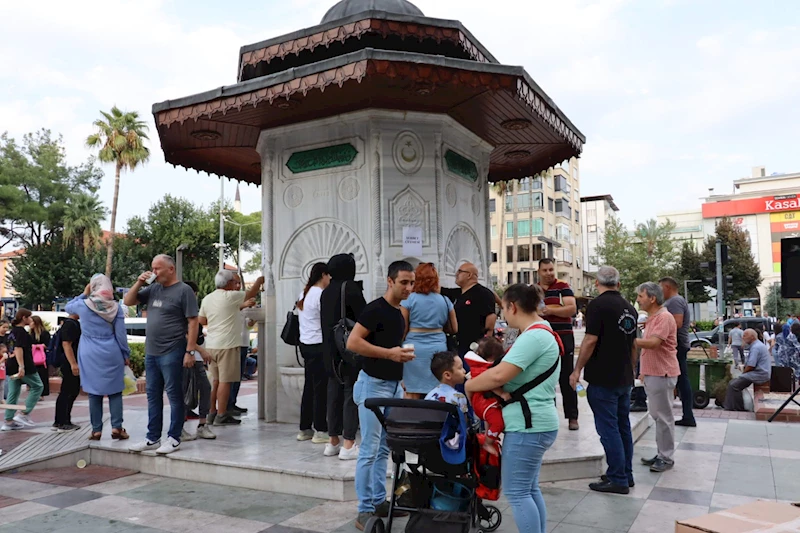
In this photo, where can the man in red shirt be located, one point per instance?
(659, 369)
(560, 307)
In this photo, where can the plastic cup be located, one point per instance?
(81, 463)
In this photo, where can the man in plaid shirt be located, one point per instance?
(659, 370)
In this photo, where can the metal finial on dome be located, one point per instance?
(345, 8)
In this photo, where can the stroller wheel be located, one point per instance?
(374, 525)
(490, 518)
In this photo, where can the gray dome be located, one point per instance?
(345, 8)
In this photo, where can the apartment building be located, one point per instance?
(596, 211)
(534, 218)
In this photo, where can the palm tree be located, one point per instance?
(650, 233)
(120, 138)
(82, 221)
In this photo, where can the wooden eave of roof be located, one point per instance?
(217, 131)
(355, 26)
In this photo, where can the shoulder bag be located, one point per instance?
(341, 332)
(291, 330)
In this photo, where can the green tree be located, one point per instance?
(120, 139)
(640, 256)
(741, 265)
(82, 219)
(36, 186)
(778, 306)
(688, 268)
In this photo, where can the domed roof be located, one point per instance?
(345, 8)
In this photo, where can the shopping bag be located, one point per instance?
(130, 382)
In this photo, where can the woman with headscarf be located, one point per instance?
(102, 353)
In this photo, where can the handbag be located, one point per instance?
(190, 390)
(451, 338)
(341, 332)
(291, 330)
(39, 354)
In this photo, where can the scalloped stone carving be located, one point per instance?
(462, 246)
(408, 153)
(409, 208)
(293, 196)
(317, 241)
(450, 195)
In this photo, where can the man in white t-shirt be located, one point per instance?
(221, 312)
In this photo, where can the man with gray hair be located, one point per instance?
(170, 345)
(220, 311)
(757, 371)
(659, 370)
(608, 355)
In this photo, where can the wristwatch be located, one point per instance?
(191, 352)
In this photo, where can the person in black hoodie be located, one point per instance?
(342, 411)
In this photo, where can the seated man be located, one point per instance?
(757, 370)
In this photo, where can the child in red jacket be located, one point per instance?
(484, 354)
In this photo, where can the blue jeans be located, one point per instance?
(684, 387)
(373, 456)
(611, 407)
(522, 460)
(164, 372)
(96, 411)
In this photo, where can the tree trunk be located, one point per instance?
(110, 254)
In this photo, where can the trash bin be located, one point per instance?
(714, 372)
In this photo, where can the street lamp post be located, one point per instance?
(239, 249)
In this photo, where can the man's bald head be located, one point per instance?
(466, 276)
(749, 336)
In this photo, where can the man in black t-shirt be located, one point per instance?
(70, 374)
(608, 354)
(377, 337)
(475, 308)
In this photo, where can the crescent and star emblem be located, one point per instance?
(408, 158)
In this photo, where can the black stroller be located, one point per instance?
(415, 426)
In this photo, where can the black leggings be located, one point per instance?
(342, 410)
(313, 408)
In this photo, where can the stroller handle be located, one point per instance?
(375, 405)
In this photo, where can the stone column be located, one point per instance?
(268, 380)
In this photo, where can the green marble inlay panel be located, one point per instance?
(461, 166)
(320, 158)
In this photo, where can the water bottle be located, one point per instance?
(580, 390)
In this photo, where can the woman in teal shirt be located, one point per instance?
(534, 352)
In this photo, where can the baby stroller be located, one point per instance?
(441, 496)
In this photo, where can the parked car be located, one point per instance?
(52, 319)
(708, 338)
(135, 328)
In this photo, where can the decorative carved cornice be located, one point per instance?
(356, 30)
(321, 80)
(538, 105)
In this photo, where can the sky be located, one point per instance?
(674, 96)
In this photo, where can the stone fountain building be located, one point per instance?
(375, 120)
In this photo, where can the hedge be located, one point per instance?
(705, 325)
(137, 358)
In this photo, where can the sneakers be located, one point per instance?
(362, 520)
(67, 427)
(332, 450)
(649, 462)
(186, 436)
(236, 410)
(204, 432)
(168, 447)
(349, 455)
(660, 465)
(573, 424)
(320, 437)
(144, 446)
(226, 420)
(305, 434)
(25, 420)
(11, 425)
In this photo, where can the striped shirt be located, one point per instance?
(554, 295)
(663, 360)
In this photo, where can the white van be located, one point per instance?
(51, 318)
(135, 328)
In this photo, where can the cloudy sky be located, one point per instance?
(674, 96)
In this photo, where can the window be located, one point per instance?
(526, 277)
(537, 226)
(575, 173)
(523, 253)
(509, 229)
(562, 233)
(525, 184)
(523, 228)
(536, 183)
(492, 205)
(576, 197)
(524, 202)
(538, 252)
(563, 209)
(537, 200)
(550, 205)
(509, 202)
(494, 257)
(564, 254)
(562, 184)
(510, 278)
(577, 216)
(509, 254)
(591, 228)
(494, 231)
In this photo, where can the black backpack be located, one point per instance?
(55, 351)
(341, 332)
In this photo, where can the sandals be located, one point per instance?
(120, 434)
(95, 436)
